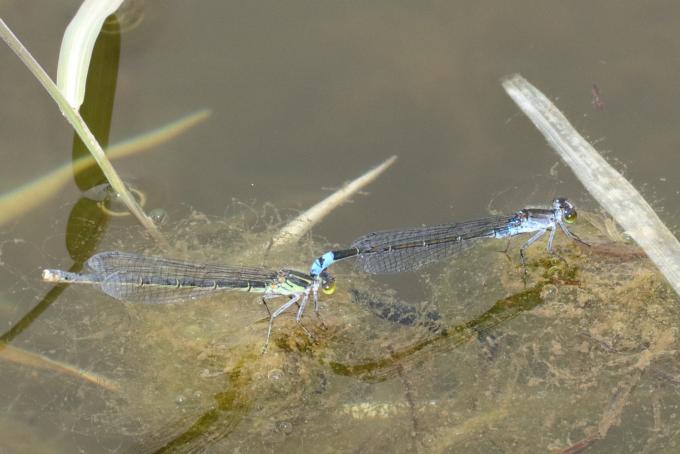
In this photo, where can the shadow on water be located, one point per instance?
(446, 338)
(230, 407)
(97, 108)
(86, 225)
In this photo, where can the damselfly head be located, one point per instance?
(567, 208)
(327, 283)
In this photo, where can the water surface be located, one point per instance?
(304, 97)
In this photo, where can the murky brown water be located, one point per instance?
(305, 97)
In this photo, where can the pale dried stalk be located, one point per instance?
(35, 360)
(620, 198)
(299, 226)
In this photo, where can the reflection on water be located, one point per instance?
(584, 355)
(110, 202)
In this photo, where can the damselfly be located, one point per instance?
(154, 280)
(394, 251)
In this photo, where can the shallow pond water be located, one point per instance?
(584, 353)
(294, 99)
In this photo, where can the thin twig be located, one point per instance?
(296, 228)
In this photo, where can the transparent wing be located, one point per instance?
(137, 278)
(395, 251)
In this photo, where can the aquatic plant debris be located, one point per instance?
(611, 416)
(294, 230)
(616, 195)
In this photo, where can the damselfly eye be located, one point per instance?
(328, 287)
(570, 217)
(327, 283)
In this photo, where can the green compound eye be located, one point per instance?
(570, 218)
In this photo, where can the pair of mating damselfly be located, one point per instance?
(154, 280)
